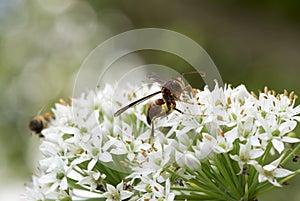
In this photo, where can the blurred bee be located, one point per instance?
(38, 123)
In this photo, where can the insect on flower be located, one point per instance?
(171, 91)
(39, 122)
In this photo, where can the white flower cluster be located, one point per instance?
(223, 134)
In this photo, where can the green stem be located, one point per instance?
(233, 174)
(196, 197)
(253, 177)
(112, 176)
(252, 174)
(79, 171)
(200, 185)
(73, 184)
(266, 154)
(212, 185)
(291, 154)
(206, 192)
(184, 189)
(228, 180)
(212, 174)
(246, 188)
(253, 180)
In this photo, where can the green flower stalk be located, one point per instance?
(228, 145)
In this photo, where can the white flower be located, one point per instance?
(93, 180)
(116, 194)
(87, 151)
(246, 155)
(246, 128)
(276, 133)
(126, 144)
(36, 191)
(204, 148)
(56, 171)
(155, 191)
(154, 160)
(187, 159)
(271, 171)
(224, 144)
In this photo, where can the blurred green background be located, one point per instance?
(44, 42)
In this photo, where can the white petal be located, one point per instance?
(141, 187)
(255, 153)
(264, 136)
(91, 164)
(68, 129)
(278, 145)
(110, 188)
(235, 157)
(52, 188)
(108, 144)
(168, 186)
(191, 161)
(255, 141)
(244, 148)
(269, 167)
(79, 160)
(262, 178)
(179, 158)
(131, 156)
(231, 135)
(277, 161)
(86, 194)
(290, 139)
(206, 147)
(280, 172)
(297, 118)
(96, 175)
(118, 151)
(105, 157)
(64, 184)
(255, 164)
(161, 179)
(48, 178)
(125, 194)
(274, 182)
(120, 186)
(171, 197)
(296, 110)
(85, 138)
(287, 127)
